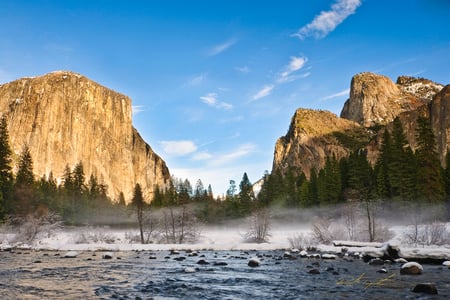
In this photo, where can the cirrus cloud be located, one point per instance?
(327, 21)
(211, 100)
(263, 92)
(178, 148)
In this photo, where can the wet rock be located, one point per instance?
(152, 257)
(411, 268)
(329, 256)
(401, 261)
(426, 288)
(254, 262)
(446, 263)
(303, 253)
(71, 254)
(189, 270)
(382, 271)
(314, 271)
(107, 255)
(37, 261)
(181, 258)
(220, 264)
(316, 263)
(376, 262)
(202, 262)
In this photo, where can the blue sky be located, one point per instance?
(215, 83)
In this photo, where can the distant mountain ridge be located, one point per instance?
(66, 118)
(375, 101)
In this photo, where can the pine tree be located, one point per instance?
(329, 182)
(447, 174)
(138, 202)
(25, 174)
(382, 167)
(430, 185)
(401, 166)
(6, 175)
(78, 178)
(25, 193)
(246, 195)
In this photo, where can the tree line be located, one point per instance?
(21, 194)
(400, 174)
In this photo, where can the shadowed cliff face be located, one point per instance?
(66, 118)
(374, 100)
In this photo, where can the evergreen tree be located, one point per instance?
(401, 164)
(246, 195)
(25, 194)
(25, 174)
(290, 188)
(430, 185)
(6, 175)
(313, 192)
(329, 182)
(139, 204)
(382, 167)
(78, 178)
(447, 174)
(199, 192)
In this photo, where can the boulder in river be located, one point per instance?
(427, 288)
(107, 255)
(254, 262)
(71, 254)
(411, 268)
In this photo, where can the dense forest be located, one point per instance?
(400, 175)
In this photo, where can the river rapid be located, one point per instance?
(206, 275)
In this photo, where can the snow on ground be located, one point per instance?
(217, 238)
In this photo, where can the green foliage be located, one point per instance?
(6, 175)
(430, 184)
(353, 139)
(25, 193)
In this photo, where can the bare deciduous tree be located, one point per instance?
(179, 225)
(259, 226)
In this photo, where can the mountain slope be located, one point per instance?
(66, 118)
(375, 101)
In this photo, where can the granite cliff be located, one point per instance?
(66, 118)
(375, 101)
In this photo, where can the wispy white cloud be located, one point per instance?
(241, 151)
(211, 100)
(336, 95)
(202, 156)
(232, 120)
(263, 92)
(218, 168)
(178, 148)
(243, 69)
(296, 63)
(327, 21)
(135, 109)
(196, 80)
(217, 49)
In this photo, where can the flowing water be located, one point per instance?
(224, 275)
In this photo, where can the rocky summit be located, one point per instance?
(65, 118)
(375, 101)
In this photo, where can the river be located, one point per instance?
(223, 275)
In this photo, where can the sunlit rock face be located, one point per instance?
(312, 137)
(66, 118)
(375, 99)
